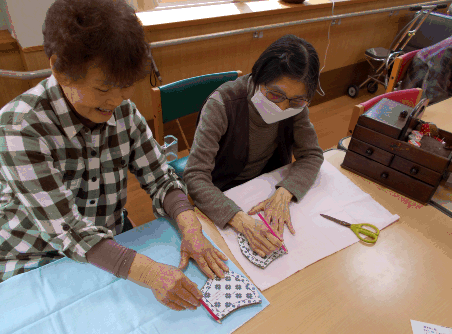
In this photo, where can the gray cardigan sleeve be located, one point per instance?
(206, 196)
(308, 156)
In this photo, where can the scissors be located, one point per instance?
(358, 228)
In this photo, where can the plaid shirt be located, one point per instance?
(431, 70)
(63, 186)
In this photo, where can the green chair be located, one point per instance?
(182, 98)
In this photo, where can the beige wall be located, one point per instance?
(27, 17)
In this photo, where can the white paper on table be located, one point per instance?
(316, 237)
(419, 327)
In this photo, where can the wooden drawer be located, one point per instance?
(404, 184)
(370, 151)
(403, 149)
(413, 169)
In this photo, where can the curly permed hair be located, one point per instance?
(106, 33)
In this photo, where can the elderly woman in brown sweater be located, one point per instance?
(252, 126)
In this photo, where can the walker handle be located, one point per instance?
(416, 8)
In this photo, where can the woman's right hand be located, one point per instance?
(169, 284)
(261, 240)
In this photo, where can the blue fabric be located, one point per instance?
(179, 166)
(70, 297)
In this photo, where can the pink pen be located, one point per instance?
(271, 230)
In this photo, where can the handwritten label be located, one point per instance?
(425, 328)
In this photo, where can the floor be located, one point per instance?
(330, 120)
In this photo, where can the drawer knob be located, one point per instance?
(384, 175)
(369, 151)
(403, 114)
(414, 171)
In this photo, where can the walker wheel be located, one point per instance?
(372, 87)
(353, 91)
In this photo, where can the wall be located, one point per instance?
(4, 20)
(27, 17)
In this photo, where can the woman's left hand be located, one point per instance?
(276, 211)
(195, 245)
(209, 259)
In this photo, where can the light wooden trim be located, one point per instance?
(419, 96)
(26, 67)
(131, 222)
(6, 38)
(239, 73)
(394, 74)
(156, 111)
(183, 134)
(358, 110)
(10, 59)
(33, 48)
(7, 42)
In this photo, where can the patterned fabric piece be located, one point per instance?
(256, 259)
(431, 70)
(63, 186)
(225, 295)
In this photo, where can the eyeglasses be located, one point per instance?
(276, 97)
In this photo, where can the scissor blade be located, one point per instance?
(341, 222)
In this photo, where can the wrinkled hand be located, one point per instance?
(261, 240)
(276, 211)
(210, 260)
(169, 284)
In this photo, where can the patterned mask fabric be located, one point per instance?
(225, 295)
(256, 259)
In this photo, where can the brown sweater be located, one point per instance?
(262, 143)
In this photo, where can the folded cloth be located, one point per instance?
(71, 297)
(316, 237)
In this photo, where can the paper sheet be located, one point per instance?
(316, 237)
(425, 328)
(69, 297)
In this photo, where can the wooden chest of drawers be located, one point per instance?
(379, 150)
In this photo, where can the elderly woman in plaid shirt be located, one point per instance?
(66, 145)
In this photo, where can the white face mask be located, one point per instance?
(269, 111)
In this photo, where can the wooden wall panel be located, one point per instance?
(348, 41)
(142, 98)
(225, 54)
(10, 88)
(35, 60)
(10, 59)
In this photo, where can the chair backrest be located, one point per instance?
(399, 69)
(434, 29)
(409, 97)
(184, 97)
